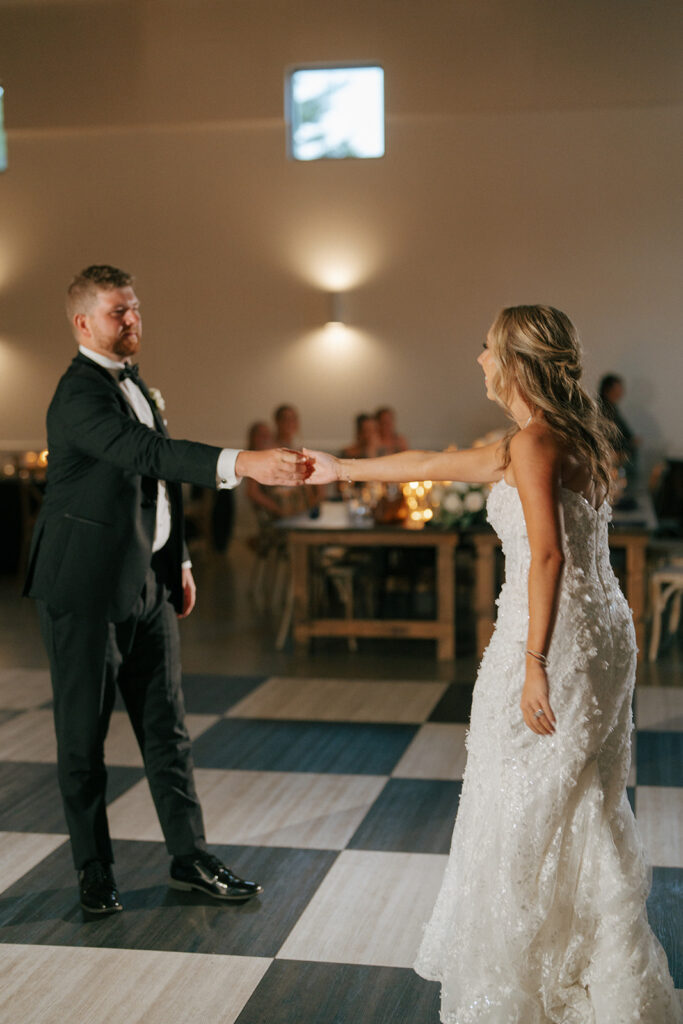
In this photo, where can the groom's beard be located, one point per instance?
(127, 344)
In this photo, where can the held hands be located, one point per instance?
(535, 696)
(280, 466)
(325, 469)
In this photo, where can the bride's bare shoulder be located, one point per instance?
(538, 435)
(534, 445)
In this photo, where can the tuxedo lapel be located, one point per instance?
(82, 362)
(111, 378)
(158, 419)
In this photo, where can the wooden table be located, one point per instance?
(303, 537)
(633, 540)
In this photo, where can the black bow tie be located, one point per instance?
(130, 372)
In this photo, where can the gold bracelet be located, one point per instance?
(347, 478)
(538, 657)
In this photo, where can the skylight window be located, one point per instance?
(335, 113)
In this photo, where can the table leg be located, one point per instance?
(484, 590)
(445, 601)
(300, 595)
(635, 591)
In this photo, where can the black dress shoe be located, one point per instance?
(99, 894)
(208, 874)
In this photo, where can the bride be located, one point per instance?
(541, 915)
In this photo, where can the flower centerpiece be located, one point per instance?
(460, 505)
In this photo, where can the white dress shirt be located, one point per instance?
(225, 468)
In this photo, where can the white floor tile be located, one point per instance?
(659, 810)
(436, 752)
(24, 688)
(121, 746)
(31, 737)
(344, 700)
(54, 984)
(659, 708)
(370, 909)
(295, 809)
(21, 851)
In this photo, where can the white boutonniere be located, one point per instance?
(159, 401)
(157, 398)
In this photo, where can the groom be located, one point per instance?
(110, 570)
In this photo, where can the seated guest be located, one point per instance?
(367, 444)
(389, 440)
(625, 442)
(287, 426)
(287, 435)
(259, 438)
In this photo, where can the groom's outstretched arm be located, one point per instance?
(274, 466)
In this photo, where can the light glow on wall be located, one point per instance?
(336, 336)
(334, 266)
(5, 269)
(335, 347)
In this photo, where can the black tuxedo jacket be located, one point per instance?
(92, 544)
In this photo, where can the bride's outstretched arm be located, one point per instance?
(473, 465)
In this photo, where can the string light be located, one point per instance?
(418, 498)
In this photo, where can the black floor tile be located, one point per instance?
(268, 745)
(659, 759)
(293, 991)
(665, 912)
(30, 800)
(211, 694)
(214, 695)
(42, 907)
(455, 704)
(410, 816)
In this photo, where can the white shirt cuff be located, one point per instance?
(226, 478)
(187, 564)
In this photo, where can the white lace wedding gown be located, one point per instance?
(541, 915)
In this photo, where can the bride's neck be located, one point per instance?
(521, 413)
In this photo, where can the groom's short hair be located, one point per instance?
(82, 292)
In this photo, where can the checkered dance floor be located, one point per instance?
(337, 795)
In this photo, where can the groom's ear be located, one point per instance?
(80, 325)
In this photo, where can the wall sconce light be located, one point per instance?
(3, 134)
(335, 309)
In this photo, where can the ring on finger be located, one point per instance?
(537, 714)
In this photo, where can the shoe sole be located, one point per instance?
(189, 886)
(100, 911)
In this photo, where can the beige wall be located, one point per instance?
(533, 154)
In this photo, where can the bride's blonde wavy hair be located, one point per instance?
(538, 354)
